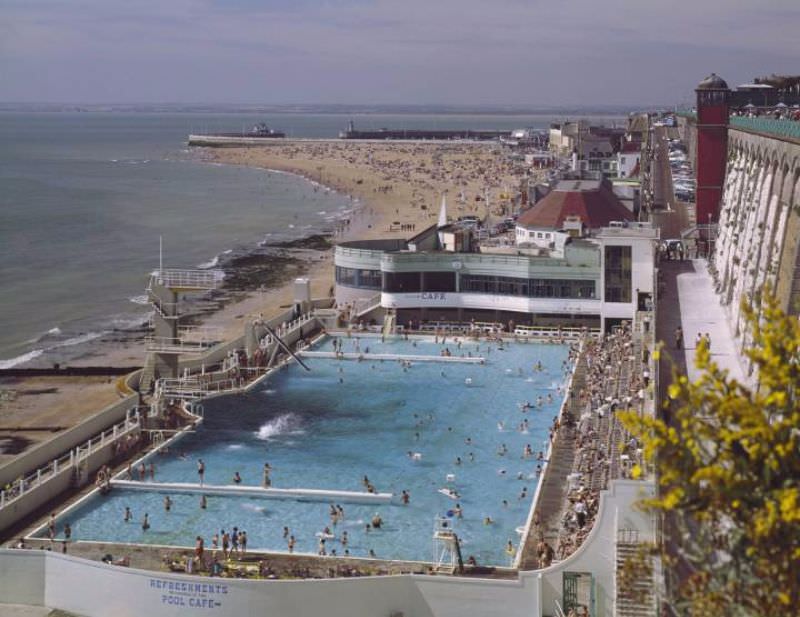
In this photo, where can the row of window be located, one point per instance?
(415, 282)
(531, 288)
(356, 277)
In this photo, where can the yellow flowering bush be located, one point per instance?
(727, 458)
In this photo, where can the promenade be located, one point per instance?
(688, 300)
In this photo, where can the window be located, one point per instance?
(369, 279)
(531, 288)
(365, 279)
(346, 276)
(438, 281)
(618, 274)
(401, 282)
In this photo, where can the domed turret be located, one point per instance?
(712, 82)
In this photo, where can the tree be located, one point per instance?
(728, 467)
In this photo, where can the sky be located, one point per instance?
(448, 52)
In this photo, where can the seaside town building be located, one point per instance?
(576, 259)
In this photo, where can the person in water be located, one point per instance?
(237, 479)
(145, 523)
(128, 515)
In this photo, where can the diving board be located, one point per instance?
(239, 490)
(391, 356)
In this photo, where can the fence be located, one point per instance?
(22, 496)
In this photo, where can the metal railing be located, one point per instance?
(771, 126)
(25, 484)
(160, 344)
(189, 279)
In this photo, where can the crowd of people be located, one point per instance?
(616, 378)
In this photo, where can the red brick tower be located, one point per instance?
(712, 146)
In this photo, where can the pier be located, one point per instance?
(391, 356)
(299, 494)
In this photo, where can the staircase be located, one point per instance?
(148, 373)
(636, 599)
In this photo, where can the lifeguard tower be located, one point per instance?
(446, 549)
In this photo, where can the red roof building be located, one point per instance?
(592, 201)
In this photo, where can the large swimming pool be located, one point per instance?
(328, 428)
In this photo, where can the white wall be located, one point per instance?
(490, 302)
(92, 588)
(95, 589)
(598, 553)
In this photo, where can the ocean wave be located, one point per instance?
(142, 299)
(284, 424)
(77, 340)
(35, 353)
(26, 357)
(207, 265)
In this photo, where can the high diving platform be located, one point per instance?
(361, 356)
(297, 494)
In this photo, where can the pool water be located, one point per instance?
(328, 428)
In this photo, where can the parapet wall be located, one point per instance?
(759, 227)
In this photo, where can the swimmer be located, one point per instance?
(458, 460)
(128, 515)
(285, 532)
(290, 544)
(524, 493)
(372, 553)
(488, 520)
(505, 503)
(471, 457)
(457, 511)
(405, 498)
(203, 502)
(501, 426)
(237, 479)
(344, 539)
(501, 472)
(167, 503)
(468, 441)
(145, 523)
(377, 521)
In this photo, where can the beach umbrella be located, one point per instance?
(749, 106)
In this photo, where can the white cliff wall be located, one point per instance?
(758, 239)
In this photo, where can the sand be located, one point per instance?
(396, 189)
(47, 406)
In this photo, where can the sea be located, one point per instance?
(86, 198)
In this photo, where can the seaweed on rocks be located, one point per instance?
(314, 242)
(261, 270)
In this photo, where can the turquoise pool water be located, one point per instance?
(330, 427)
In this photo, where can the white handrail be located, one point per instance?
(65, 462)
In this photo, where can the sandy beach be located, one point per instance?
(395, 188)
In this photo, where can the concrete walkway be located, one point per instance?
(688, 299)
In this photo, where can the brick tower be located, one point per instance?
(712, 146)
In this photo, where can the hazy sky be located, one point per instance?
(470, 52)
